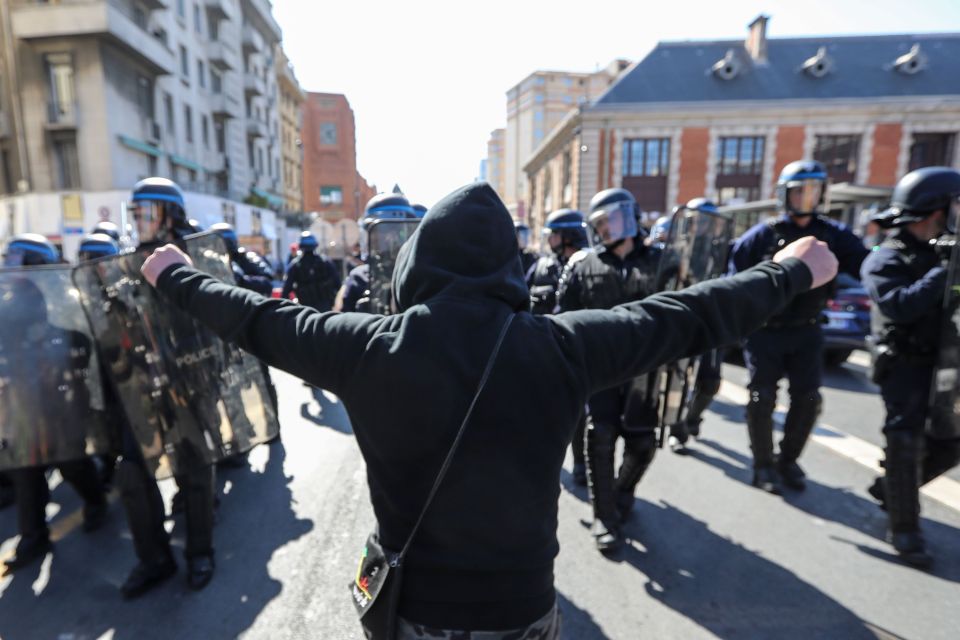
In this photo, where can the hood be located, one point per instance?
(466, 247)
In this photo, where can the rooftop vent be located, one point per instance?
(912, 62)
(728, 67)
(818, 65)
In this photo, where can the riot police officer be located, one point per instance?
(527, 257)
(97, 245)
(249, 270)
(160, 216)
(791, 343)
(906, 282)
(107, 228)
(383, 206)
(32, 493)
(620, 270)
(312, 276)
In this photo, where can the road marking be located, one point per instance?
(860, 358)
(944, 490)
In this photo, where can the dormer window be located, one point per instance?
(912, 62)
(818, 65)
(728, 67)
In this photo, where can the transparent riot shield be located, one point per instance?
(695, 250)
(385, 237)
(51, 395)
(179, 385)
(943, 422)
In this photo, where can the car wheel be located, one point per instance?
(836, 357)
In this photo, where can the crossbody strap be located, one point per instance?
(395, 562)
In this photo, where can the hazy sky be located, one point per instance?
(427, 80)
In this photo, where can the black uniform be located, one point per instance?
(543, 280)
(906, 282)
(251, 271)
(355, 287)
(483, 557)
(602, 280)
(791, 343)
(315, 280)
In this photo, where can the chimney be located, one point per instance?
(756, 44)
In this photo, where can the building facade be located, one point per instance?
(496, 155)
(534, 107)
(291, 99)
(332, 186)
(721, 119)
(97, 94)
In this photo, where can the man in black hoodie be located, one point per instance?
(483, 556)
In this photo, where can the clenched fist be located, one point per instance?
(815, 254)
(159, 260)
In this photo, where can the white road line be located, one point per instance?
(944, 490)
(860, 358)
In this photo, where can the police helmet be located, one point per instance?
(388, 205)
(661, 228)
(570, 226)
(30, 249)
(22, 303)
(226, 231)
(613, 215)
(419, 210)
(801, 187)
(308, 242)
(156, 201)
(97, 245)
(703, 205)
(195, 225)
(920, 193)
(107, 228)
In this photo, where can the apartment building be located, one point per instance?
(291, 98)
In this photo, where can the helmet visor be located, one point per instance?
(614, 222)
(147, 219)
(804, 196)
(523, 237)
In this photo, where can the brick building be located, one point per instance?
(722, 118)
(332, 185)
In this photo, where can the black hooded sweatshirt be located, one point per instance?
(483, 558)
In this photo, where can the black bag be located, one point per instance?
(376, 587)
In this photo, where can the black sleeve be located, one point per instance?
(898, 294)
(289, 280)
(319, 348)
(850, 252)
(634, 338)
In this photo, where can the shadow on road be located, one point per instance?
(326, 411)
(726, 588)
(79, 598)
(577, 623)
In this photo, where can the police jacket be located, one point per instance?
(600, 279)
(315, 280)
(355, 287)
(906, 283)
(543, 282)
(763, 240)
(251, 272)
(483, 558)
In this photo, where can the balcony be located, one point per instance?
(256, 129)
(221, 56)
(219, 9)
(260, 13)
(95, 18)
(156, 5)
(62, 116)
(254, 86)
(223, 107)
(252, 40)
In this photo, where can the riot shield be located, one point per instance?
(695, 250)
(184, 391)
(943, 422)
(51, 396)
(385, 237)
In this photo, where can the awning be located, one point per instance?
(274, 201)
(138, 145)
(187, 164)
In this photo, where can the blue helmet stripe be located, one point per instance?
(29, 246)
(391, 207)
(566, 225)
(160, 197)
(806, 175)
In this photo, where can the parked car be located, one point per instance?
(846, 320)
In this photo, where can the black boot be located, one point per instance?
(146, 576)
(600, 441)
(199, 571)
(760, 429)
(199, 486)
(878, 492)
(903, 497)
(28, 551)
(144, 508)
(800, 420)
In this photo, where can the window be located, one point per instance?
(205, 131)
(201, 74)
(328, 133)
(184, 64)
(646, 157)
(220, 133)
(331, 195)
(216, 82)
(739, 168)
(60, 77)
(213, 29)
(66, 166)
(197, 23)
(145, 97)
(6, 175)
(931, 150)
(168, 108)
(188, 122)
(259, 159)
(182, 8)
(538, 116)
(840, 155)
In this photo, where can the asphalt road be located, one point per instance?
(709, 555)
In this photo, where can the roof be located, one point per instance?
(862, 67)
